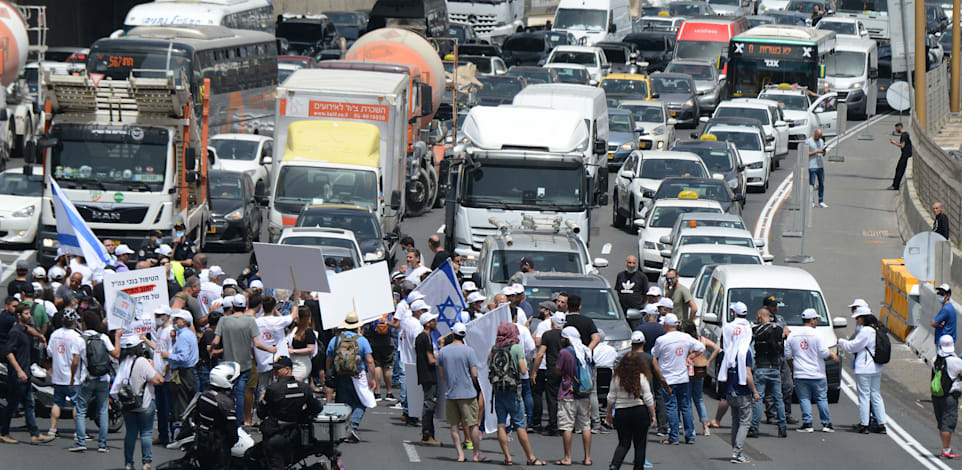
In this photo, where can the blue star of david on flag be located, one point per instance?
(443, 293)
(448, 318)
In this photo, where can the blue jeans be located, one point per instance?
(18, 392)
(139, 424)
(807, 389)
(403, 383)
(870, 397)
(162, 403)
(819, 174)
(768, 381)
(239, 387)
(680, 400)
(92, 392)
(203, 378)
(697, 386)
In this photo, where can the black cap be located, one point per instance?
(527, 261)
(158, 233)
(770, 301)
(282, 362)
(179, 225)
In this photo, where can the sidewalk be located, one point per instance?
(851, 236)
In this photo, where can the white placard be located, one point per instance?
(369, 286)
(278, 263)
(146, 287)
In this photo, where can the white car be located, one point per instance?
(803, 115)
(334, 242)
(687, 260)
(771, 5)
(659, 222)
(642, 174)
(593, 58)
(704, 235)
(652, 122)
(765, 111)
(285, 70)
(20, 191)
(246, 153)
(843, 26)
(571, 73)
(757, 155)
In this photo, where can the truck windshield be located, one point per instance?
(847, 64)
(859, 6)
(701, 50)
(299, 185)
(506, 186)
(235, 149)
(505, 263)
(116, 62)
(581, 20)
(128, 156)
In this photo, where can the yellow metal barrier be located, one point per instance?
(897, 283)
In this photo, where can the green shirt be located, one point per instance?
(680, 296)
(39, 313)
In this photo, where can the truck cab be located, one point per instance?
(493, 20)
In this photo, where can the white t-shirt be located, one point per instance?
(209, 292)
(604, 356)
(671, 350)
(272, 334)
(162, 342)
(527, 345)
(410, 329)
(83, 357)
(402, 311)
(522, 317)
(414, 274)
(50, 307)
(63, 344)
(76, 267)
(542, 327)
(807, 352)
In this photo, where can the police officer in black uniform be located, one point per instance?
(286, 403)
(788, 384)
(150, 244)
(215, 418)
(184, 248)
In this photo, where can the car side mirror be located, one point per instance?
(655, 95)
(722, 77)
(665, 240)
(612, 28)
(639, 128)
(759, 242)
(478, 280)
(738, 197)
(640, 223)
(396, 199)
(780, 123)
(769, 148)
(267, 160)
(391, 237)
(703, 119)
(873, 74)
(633, 314)
(839, 322)
(768, 258)
(191, 162)
(665, 253)
(672, 122)
(626, 174)
(718, 176)
(648, 193)
(710, 317)
(599, 147)
(693, 135)
(600, 263)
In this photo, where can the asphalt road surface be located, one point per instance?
(857, 203)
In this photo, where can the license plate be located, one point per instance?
(674, 113)
(644, 145)
(211, 229)
(610, 156)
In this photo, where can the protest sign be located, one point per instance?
(290, 266)
(367, 287)
(146, 288)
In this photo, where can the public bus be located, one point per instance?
(772, 54)
(707, 37)
(255, 15)
(241, 65)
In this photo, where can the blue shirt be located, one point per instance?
(652, 330)
(947, 315)
(456, 361)
(184, 353)
(734, 388)
(815, 161)
(364, 347)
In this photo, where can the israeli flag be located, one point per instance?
(443, 293)
(73, 233)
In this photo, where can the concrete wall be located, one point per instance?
(318, 6)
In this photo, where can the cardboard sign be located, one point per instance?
(146, 288)
(290, 266)
(369, 287)
(123, 307)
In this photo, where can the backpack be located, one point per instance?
(941, 381)
(503, 371)
(381, 327)
(883, 346)
(347, 355)
(582, 381)
(128, 398)
(98, 359)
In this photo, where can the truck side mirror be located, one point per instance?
(191, 177)
(600, 147)
(478, 280)
(190, 163)
(50, 142)
(612, 28)
(211, 156)
(427, 100)
(395, 199)
(873, 74)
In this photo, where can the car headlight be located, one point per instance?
(626, 146)
(379, 254)
(732, 184)
(690, 103)
(661, 144)
(659, 130)
(756, 165)
(50, 243)
(25, 212)
(650, 245)
(858, 85)
(469, 261)
(620, 344)
(236, 215)
(801, 122)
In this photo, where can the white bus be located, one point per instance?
(256, 15)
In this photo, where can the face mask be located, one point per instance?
(940, 298)
(632, 270)
(178, 234)
(159, 322)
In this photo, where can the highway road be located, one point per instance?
(847, 240)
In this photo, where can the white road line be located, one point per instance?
(440, 229)
(411, 451)
(897, 433)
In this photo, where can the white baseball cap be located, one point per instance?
(637, 337)
(469, 286)
(214, 271)
(183, 314)
(415, 296)
(518, 288)
(475, 297)
(162, 310)
(670, 319)
(257, 284)
(123, 249)
(227, 301)
(809, 313)
(419, 305)
(667, 303)
(559, 318)
(459, 329)
(650, 309)
(740, 309)
(229, 282)
(427, 317)
(654, 290)
(945, 287)
(861, 311)
(129, 341)
(507, 290)
(57, 273)
(163, 250)
(39, 272)
(858, 303)
(240, 301)
(946, 345)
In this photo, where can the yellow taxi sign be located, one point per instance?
(784, 86)
(687, 194)
(710, 137)
(663, 13)
(449, 57)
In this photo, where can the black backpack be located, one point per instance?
(883, 346)
(941, 383)
(503, 371)
(98, 359)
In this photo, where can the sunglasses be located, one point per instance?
(672, 278)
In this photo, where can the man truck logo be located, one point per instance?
(110, 216)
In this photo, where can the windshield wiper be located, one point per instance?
(82, 182)
(140, 184)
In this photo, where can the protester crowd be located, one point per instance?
(243, 348)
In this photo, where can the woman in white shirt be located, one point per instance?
(137, 369)
(631, 408)
(868, 373)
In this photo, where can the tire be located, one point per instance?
(617, 220)
(420, 201)
(248, 241)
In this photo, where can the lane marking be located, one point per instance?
(606, 249)
(440, 229)
(412, 452)
(897, 433)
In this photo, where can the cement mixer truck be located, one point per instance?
(20, 119)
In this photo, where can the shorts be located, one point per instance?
(462, 410)
(252, 381)
(62, 392)
(946, 411)
(509, 403)
(573, 415)
(383, 357)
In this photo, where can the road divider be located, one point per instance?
(899, 300)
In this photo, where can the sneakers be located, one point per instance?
(706, 428)
(753, 433)
(41, 439)
(882, 429)
(948, 454)
(467, 445)
(52, 432)
(828, 428)
(806, 427)
(146, 466)
(648, 464)
(432, 442)
(740, 459)
(102, 450)
(129, 467)
(353, 437)
(389, 397)
(782, 432)
(861, 429)
(77, 448)
(822, 205)
(662, 433)
(6, 439)
(397, 406)
(791, 420)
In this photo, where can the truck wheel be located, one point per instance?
(19, 145)
(419, 194)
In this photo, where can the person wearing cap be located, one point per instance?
(946, 407)
(65, 348)
(665, 306)
(475, 308)
(184, 247)
(123, 253)
(410, 329)
(162, 343)
(436, 247)
(545, 376)
(401, 312)
(652, 329)
(149, 245)
(458, 366)
(20, 281)
(671, 352)
(680, 295)
(39, 275)
(545, 310)
(285, 404)
(788, 384)
(345, 392)
(523, 304)
(468, 287)
(769, 355)
(40, 318)
(631, 285)
(183, 360)
(653, 295)
(210, 289)
(17, 348)
(806, 352)
(427, 368)
(736, 372)
(92, 399)
(944, 322)
(56, 275)
(651, 326)
(868, 373)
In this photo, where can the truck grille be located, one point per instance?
(116, 215)
(875, 33)
(478, 234)
(481, 23)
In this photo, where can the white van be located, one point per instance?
(593, 21)
(795, 289)
(589, 102)
(852, 71)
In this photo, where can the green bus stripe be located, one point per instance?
(777, 41)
